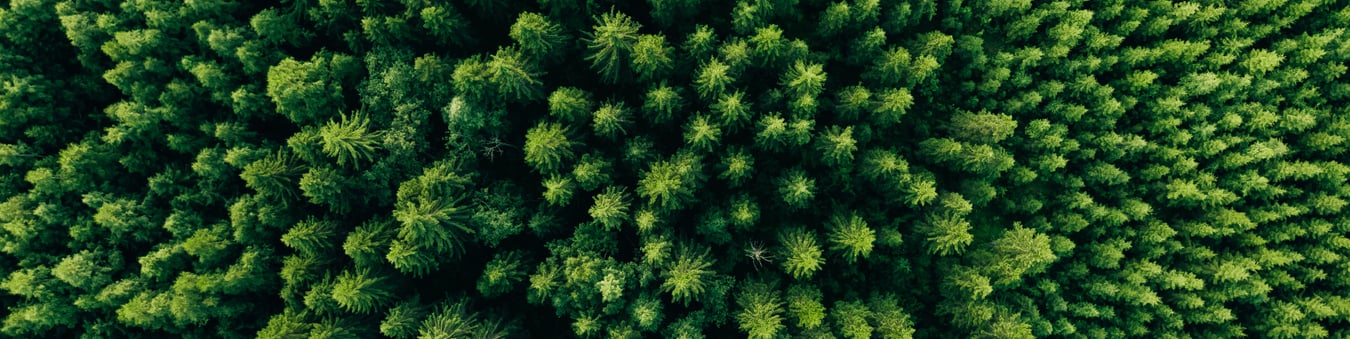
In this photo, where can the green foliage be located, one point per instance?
(796, 188)
(610, 208)
(803, 306)
(804, 78)
(450, 320)
(403, 319)
(802, 257)
(361, 292)
(558, 190)
(348, 140)
(982, 127)
(889, 317)
(547, 146)
(662, 103)
(702, 134)
(712, 78)
(687, 277)
(850, 235)
(497, 213)
(569, 104)
(366, 243)
(610, 120)
(311, 237)
(537, 36)
(502, 274)
(670, 183)
(652, 58)
(946, 233)
(610, 43)
(334, 169)
(837, 145)
(761, 314)
(732, 110)
(272, 175)
(308, 92)
(83, 270)
(851, 319)
(505, 76)
(737, 167)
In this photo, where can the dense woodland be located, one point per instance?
(674, 168)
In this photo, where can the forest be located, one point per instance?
(674, 168)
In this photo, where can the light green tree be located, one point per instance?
(610, 44)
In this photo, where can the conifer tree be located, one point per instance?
(802, 257)
(361, 292)
(610, 43)
(687, 278)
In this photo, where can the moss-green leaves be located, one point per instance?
(892, 104)
(432, 223)
(737, 167)
(804, 79)
(732, 110)
(274, 174)
(776, 133)
(558, 190)
(502, 274)
(803, 306)
(592, 171)
(308, 92)
(311, 236)
(505, 76)
(982, 127)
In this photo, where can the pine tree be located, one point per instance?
(536, 35)
(652, 57)
(761, 314)
(360, 292)
(947, 234)
(311, 237)
(688, 276)
(547, 146)
(796, 188)
(501, 274)
(610, 44)
(662, 103)
(802, 257)
(702, 134)
(610, 208)
(850, 235)
(712, 79)
(569, 104)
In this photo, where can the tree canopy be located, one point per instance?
(674, 168)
